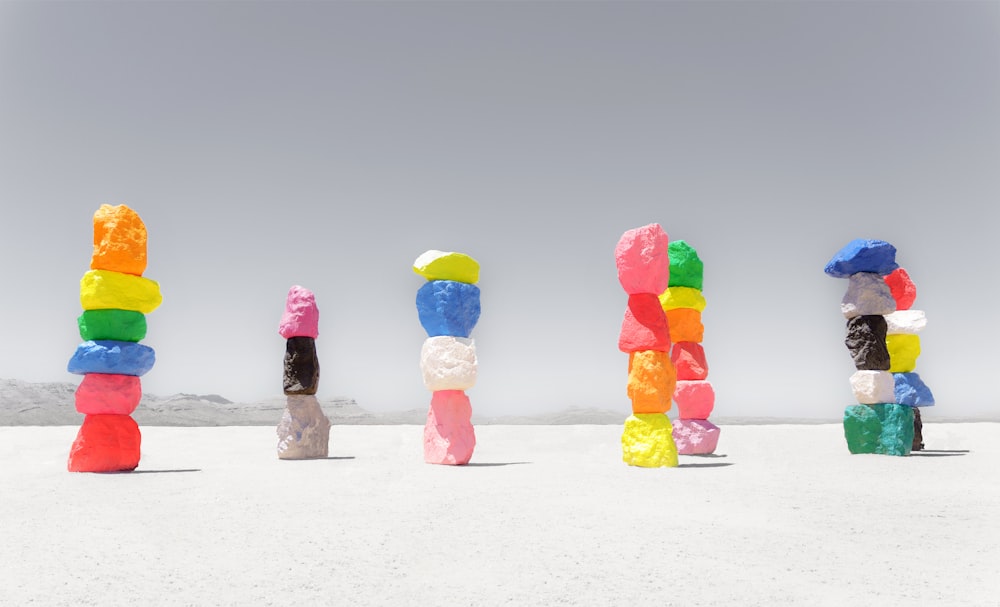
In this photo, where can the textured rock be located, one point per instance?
(695, 436)
(685, 325)
(108, 356)
(301, 316)
(903, 352)
(304, 430)
(642, 260)
(689, 361)
(108, 393)
(860, 255)
(686, 268)
(105, 443)
(910, 390)
(885, 429)
(867, 294)
(682, 297)
(651, 381)
(866, 342)
(301, 368)
(905, 321)
(101, 289)
(873, 387)
(113, 324)
(448, 307)
(695, 399)
(918, 434)
(442, 265)
(648, 441)
(449, 437)
(119, 240)
(448, 363)
(644, 326)
(902, 288)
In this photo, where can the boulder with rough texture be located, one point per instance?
(695, 399)
(686, 268)
(113, 324)
(651, 381)
(449, 437)
(902, 288)
(442, 265)
(867, 294)
(689, 361)
(862, 429)
(682, 297)
(448, 363)
(448, 307)
(119, 240)
(108, 356)
(644, 326)
(695, 436)
(105, 443)
(304, 430)
(685, 325)
(301, 316)
(108, 393)
(301, 368)
(910, 390)
(873, 387)
(866, 342)
(860, 255)
(885, 429)
(918, 434)
(905, 321)
(648, 441)
(642, 260)
(101, 289)
(904, 348)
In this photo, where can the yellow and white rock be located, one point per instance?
(442, 265)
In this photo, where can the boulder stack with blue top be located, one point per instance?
(880, 422)
(115, 299)
(448, 307)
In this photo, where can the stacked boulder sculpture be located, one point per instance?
(879, 294)
(643, 264)
(304, 430)
(694, 396)
(448, 306)
(115, 299)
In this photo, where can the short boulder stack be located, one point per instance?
(683, 304)
(304, 430)
(115, 299)
(448, 306)
(643, 264)
(881, 422)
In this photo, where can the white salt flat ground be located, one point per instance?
(546, 515)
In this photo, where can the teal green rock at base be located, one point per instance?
(113, 324)
(886, 429)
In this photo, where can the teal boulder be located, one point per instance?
(886, 429)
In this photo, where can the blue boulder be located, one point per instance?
(912, 391)
(448, 307)
(859, 255)
(109, 356)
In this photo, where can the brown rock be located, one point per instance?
(301, 366)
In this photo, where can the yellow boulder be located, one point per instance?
(904, 348)
(103, 289)
(651, 381)
(648, 441)
(119, 240)
(441, 265)
(682, 297)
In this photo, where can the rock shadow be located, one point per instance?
(706, 465)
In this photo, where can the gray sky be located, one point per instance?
(328, 144)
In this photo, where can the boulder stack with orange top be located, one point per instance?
(641, 256)
(115, 299)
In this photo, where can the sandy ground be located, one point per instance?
(544, 515)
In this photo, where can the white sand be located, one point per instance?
(546, 515)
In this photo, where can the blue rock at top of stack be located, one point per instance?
(108, 356)
(448, 307)
(861, 255)
(910, 390)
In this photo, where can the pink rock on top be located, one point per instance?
(643, 260)
(301, 317)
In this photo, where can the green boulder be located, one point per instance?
(886, 429)
(686, 268)
(114, 324)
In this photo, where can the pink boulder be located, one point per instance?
(689, 360)
(902, 288)
(642, 260)
(695, 436)
(108, 393)
(301, 317)
(449, 437)
(105, 443)
(644, 326)
(695, 399)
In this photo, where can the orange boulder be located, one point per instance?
(119, 240)
(685, 325)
